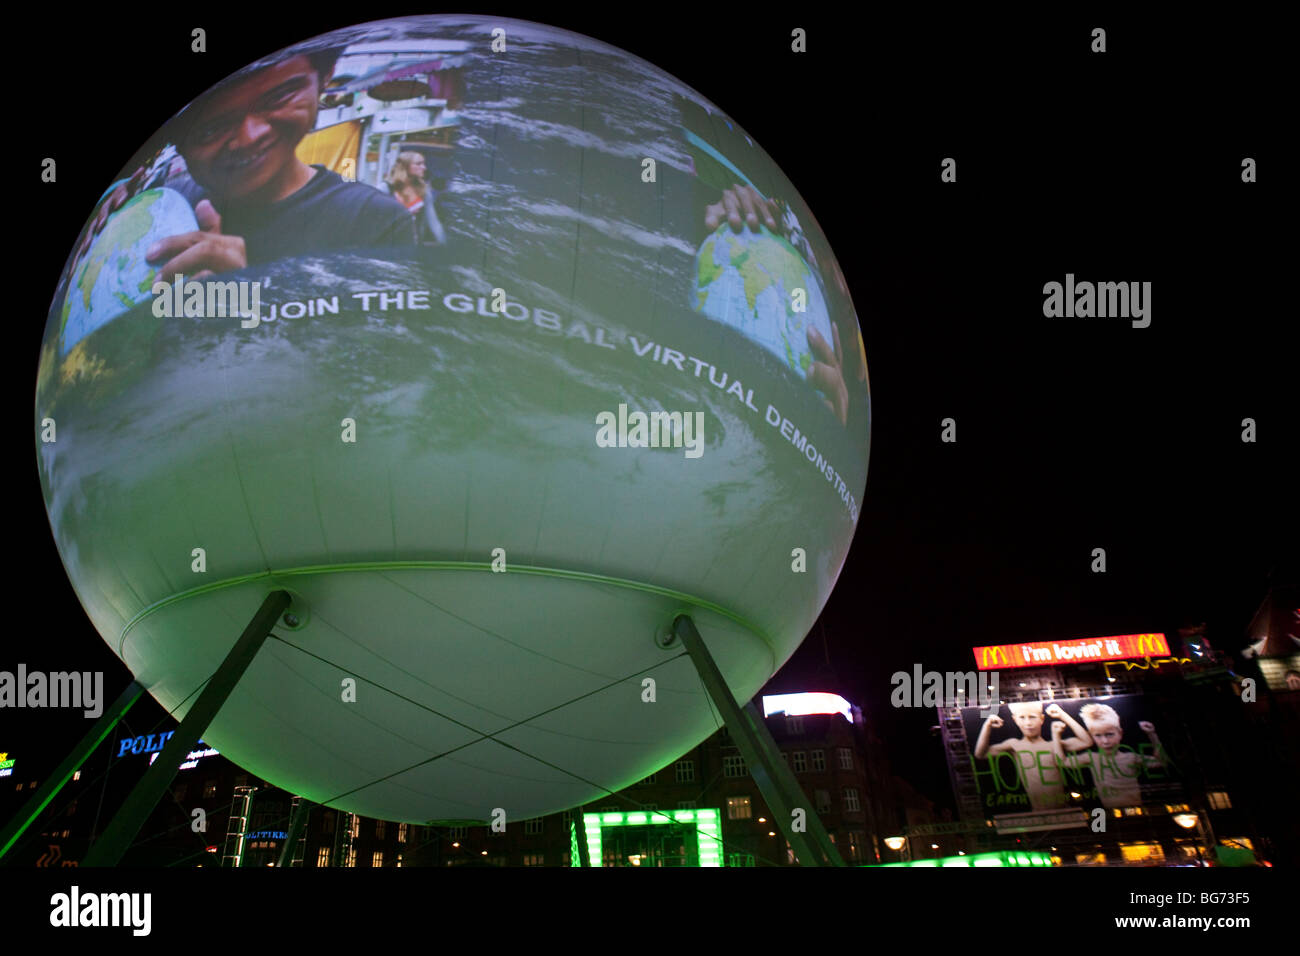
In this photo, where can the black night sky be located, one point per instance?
(1072, 434)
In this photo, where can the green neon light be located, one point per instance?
(1005, 858)
(706, 839)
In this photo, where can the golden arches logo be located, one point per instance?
(995, 655)
(1149, 644)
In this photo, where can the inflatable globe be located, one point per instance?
(490, 470)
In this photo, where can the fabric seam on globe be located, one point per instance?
(587, 576)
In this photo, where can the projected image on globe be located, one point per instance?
(350, 321)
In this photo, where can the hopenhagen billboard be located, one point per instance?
(1034, 756)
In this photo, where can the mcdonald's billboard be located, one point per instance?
(1086, 650)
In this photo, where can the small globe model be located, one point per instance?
(750, 281)
(114, 276)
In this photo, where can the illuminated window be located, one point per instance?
(738, 808)
(534, 859)
(534, 826)
(399, 860)
(685, 771)
(1226, 841)
(740, 859)
(352, 857)
(356, 825)
(77, 775)
(851, 800)
(1219, 800)
(819, 760)
(823, 801)
(377, 861)
(799, 761)
(210, 788)
(650, 779)
(846, 758)
(380, 829)
(1142, 852)
(323, 856)
(1132, 811)
(1089, 859)
(855, 841)
(794, 725)
(733, 766)
(1176, 808)
(401, 834)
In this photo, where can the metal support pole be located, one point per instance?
(297, 823)
(144, 797)
(775, 780)
(63, 773)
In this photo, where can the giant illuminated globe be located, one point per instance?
(409, 439)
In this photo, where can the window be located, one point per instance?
(794, 725)
(323, 856)
(399, 861)
(401, 834)
(738, 808)
(534, 826)
(1219, 800)
(352, 857)
(851, 800)
(846, 758)
(328, 822)
(356, 826)
(823, 801)
(685, 771)
(77, 775)
(740, 859)
(534, 859)
(380, 829)
(733, 766)
(179, 792)
(1142, 852)
(210, 788)
(799, 761)
(377, 861)
(785, 757)
(819, 759)
(458, 833)
(650, 779)
(855, 841)
(686, 805)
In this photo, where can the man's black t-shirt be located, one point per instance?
(324, 215)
